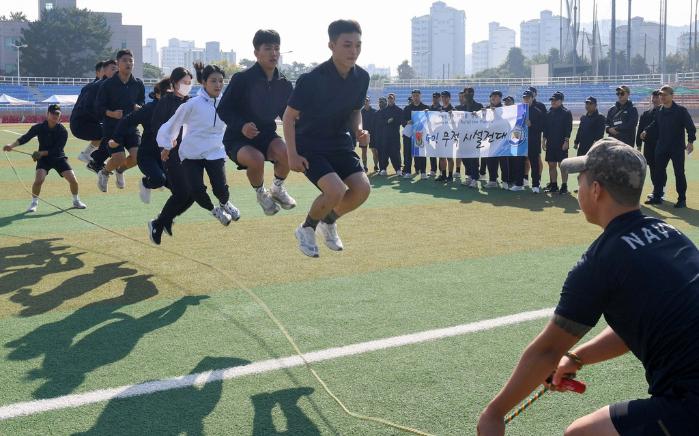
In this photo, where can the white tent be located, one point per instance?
(62, 99)
(6, 99)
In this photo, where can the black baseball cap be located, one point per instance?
(509, 98)
(558, 95)
(54, 108)
(591, 99)
(527, 93)
(496, 92)
(445, 94)
(415, 91)
(435, 94)
(469, 89)
(533, 90)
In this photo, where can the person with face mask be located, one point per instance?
(253, 101)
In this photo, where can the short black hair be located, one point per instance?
(124, 52)
(265, 36)
(338, 27)
(99, 65)
(109, 62)
(203, 72)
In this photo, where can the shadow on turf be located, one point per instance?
(495, 197)
(24, 265)
(667, 212)
(7, 220)
(297, 423)
(111, 335)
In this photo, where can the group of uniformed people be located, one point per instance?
(549, 131)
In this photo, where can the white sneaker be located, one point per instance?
(281, 196)
(84, 155)
(526, 183)
(473, 184)
(120, 180)
(432, 174)
(491, 185)
(536, 190)
(77, 204)
(407, 176)
(457, 177)
(102, 180)
(483, 178)
(221, 215)
(307, 240)
(231, 210)
(143, 192)
(399, 173)
(329, 233)
(424, 176)
(265, 200)
(505, 186)
(33, 205)
(517, 188)
(383, 173)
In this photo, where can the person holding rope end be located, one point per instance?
(642, 275)
(52, 136)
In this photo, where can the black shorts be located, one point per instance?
(59, 164)
(86, 129)
(658, 415)
(343, 163)
(556, 154)
(260, 142)
(129, 141)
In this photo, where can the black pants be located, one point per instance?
(181, 199)
(516, 165)
(408, 155)
(100, 156)
(493, 164)
(390, 151)
(649, 154)
(420, 165)
(151, 165)
(434, 167)
(534, 155)
(662, 158)
(472, 168)
(216, 170)
(483, 166)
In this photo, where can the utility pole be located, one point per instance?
(612, 43)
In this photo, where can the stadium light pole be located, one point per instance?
(18, 47)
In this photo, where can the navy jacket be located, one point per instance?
(390, 119)
(537, 118)
(591, 129)
(669, 126)
(647, 117)
(84, 107)
(250, 97)
(472, 106)
(116, 95)
(624, 119)
(51, 140)
(144, 117)
(558, 126)
(409, 109)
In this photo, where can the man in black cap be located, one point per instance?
(591, 128)
(671, 122)
(391, 118)
(641, 275)
(622, 118)
(368, 122)
(446, 164)
(435, 107)
(542, 107)
(471, 164)
(535, 122)
(648, 145)
(557, 130)
(52, 137)
(416, 105)
(508, 101)
(494, 162)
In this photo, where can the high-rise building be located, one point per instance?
(682, 42)
(372, 69)
(213, 52)
(439, 43)
(644, 40)
(500, 41)
(150, 52)
(539, 36)
(232, 58)
(173, 55)
(479, 56)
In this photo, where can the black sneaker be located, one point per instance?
(654, 200)
(551, 188)
(155, 231)
(564, 189)
(376, 169)
(366, 169)
(681, 204)
(441, 178)
(168, 228)
(95, 168)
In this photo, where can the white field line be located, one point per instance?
(77, 400)
(14, 133)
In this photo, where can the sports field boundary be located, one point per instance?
(77, 400)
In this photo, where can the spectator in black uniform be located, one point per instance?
(88, 129)
(446, 165)
(535, 122)
(641, 275)
(390, 119)
(472, 164)
(52, 138)
(100, 154)
(528, 164)
(368, 122)
(416, 105)
(648, 145)
(591, 129)
(671, 122)
(116, 98)
(253, 100)
(494, 162)
(622, 118)
(557, 130)
(435, 107)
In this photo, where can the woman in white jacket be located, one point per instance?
(202, 143)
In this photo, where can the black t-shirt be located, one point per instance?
(642, 275)
(326, 102)
(51, 140)
(113, 95)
